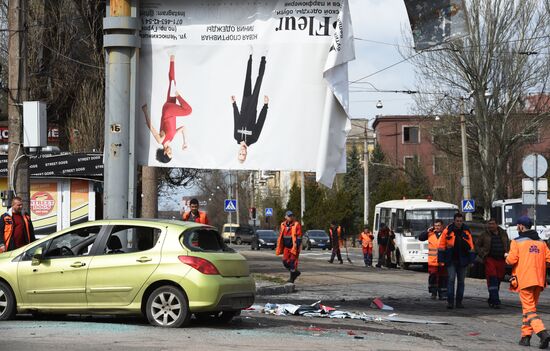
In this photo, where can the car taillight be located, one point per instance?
(200, 264)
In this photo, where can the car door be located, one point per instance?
(126, 259)
(58, 280)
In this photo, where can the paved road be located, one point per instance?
(348, 287)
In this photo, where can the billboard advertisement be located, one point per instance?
(257, 85)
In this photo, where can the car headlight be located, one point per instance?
(262, 241)
(312, 241)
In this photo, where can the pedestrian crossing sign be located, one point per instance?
(230, 205)
(468, 206)
(268, 212)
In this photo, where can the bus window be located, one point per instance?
(377, 222)
(385, 216)
(400, 221)
(445, 215)
(418, 221)
(496, 213)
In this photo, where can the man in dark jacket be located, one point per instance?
(491, 246)
(335, 233)
(456, 251)
(16, 228)
(382, 240)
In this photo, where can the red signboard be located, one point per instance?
(42, 203)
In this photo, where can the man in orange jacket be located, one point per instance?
(366, 239)
(195, 215)
(529, 256)
(289, 244)
(456, 251)
(437, 278)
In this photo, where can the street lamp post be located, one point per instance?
(465, 166)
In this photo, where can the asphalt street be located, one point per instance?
(349, 287)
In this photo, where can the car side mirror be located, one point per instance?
(37, 256)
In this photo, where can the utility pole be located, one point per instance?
(121, 41)
(18, 162)
(238, 221)
(149, 199)
(465, 167)
(366, 178)
(302, 197)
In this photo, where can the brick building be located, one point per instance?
(405, 139)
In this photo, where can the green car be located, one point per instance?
(164, 270)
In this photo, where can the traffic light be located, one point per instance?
(253, 212)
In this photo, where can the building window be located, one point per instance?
(411, 135)
(439, 165)
(409, 162)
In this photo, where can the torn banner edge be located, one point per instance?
(336, 124)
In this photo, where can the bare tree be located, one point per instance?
(488, 75)
(66, 68)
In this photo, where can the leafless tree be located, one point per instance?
(66, 68)
(488, 76)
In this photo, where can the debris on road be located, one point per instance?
(377, 303)
(318, 310)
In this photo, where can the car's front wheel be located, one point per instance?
(167, 307)
(7, 302)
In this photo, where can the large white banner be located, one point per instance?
(245, 85)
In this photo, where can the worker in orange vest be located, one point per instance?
(528, 256)
(366, 239)
(289, 244)
(335, 234)
(16, 229)
(195, 215)
(437, 278)
(456, 250)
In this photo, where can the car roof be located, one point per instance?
(142, 221)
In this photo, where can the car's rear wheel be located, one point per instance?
(167, 307)
(7, 302)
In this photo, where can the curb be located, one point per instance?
(276, 289)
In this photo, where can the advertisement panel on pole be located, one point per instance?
(245, 85)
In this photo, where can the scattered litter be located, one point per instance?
(358, 337)
(317, 329)
(351, 332)
(377, 303)
(473, 334)
(317, 310)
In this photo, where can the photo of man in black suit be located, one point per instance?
(246, 128)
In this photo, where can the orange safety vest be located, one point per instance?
(433, 246)
(529, 258)
(366, 239)
(9, 227)
(295, 233)
(201, 219)
(447, 243)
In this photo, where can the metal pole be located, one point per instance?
(18, 162)
(302, 197)
(465, 167)
(535, 191)
(120, 41)
(366, 181)
(253, 200)
(229, 196)
(237, 198)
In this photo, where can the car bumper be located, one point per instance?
(215, 293)
(267, 245)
